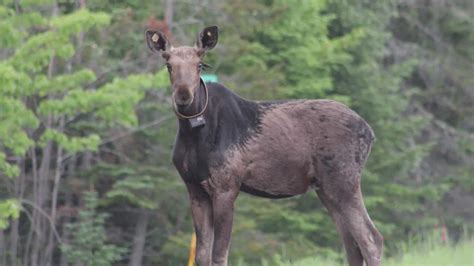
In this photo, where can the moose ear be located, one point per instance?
(156, 41)
(207, 38)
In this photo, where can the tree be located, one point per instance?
(49, 102)
(440, 36)
(88, 245)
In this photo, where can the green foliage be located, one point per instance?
(70, 144)
(140, 186)
(21, 77)
(135, 190)
(35, 53)
(301, 57)
(14, 118)
(62, 95)
(89, 241)
(285, 54)
(8, 209)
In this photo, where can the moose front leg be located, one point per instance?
(223, 212)
(201, 208)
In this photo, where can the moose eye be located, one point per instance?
(200, 66)
(203, 66)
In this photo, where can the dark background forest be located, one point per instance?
(87, 129)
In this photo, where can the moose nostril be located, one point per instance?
(183, 96)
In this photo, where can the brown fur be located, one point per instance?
(183, 62)
(295, 146)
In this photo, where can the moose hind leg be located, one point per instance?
(367, 237)
(361, 239)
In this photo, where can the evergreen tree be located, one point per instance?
(88, 245)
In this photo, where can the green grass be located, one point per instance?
(430, 254)
(442, 255)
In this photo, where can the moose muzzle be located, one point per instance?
(183, 96)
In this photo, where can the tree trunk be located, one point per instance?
(34, 180)
(71, 171)
(13, 242)
(54, 200)
(169, 14)
(43, 176)
(14, 232)
(3, 254)
(81, 4)
(139, 239)
(40, 199)
(86, 164)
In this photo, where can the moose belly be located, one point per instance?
(274, 165)
(277, 174)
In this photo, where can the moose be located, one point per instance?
(273, 149)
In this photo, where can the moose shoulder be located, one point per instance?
(268, 149)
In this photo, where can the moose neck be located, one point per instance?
(197, 105)
(227, 117)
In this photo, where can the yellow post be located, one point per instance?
(192, 250)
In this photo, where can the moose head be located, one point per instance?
(184, 63)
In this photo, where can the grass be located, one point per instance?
(428, 253)
(442, 255)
